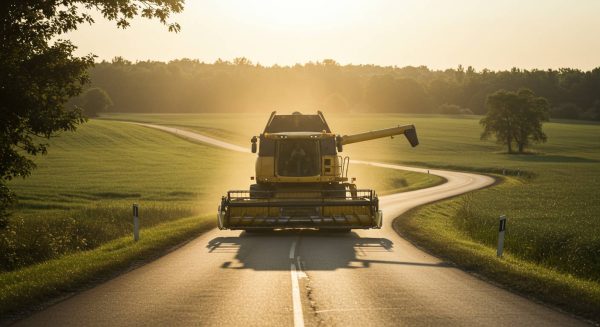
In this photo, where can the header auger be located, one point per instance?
(302, 181)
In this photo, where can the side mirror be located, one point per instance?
(338, 143)
(253, 140)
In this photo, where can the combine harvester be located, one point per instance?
(302, 182)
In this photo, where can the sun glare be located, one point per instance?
(436, 33)
(306, 14)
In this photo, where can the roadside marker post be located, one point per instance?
(136, 223)
(501, 229)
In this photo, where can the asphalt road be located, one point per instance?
(364, 278)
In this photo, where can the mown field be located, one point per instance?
(550, 195)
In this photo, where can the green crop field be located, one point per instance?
(80, 195)
(550, 195)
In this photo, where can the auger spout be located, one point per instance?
(408, 130)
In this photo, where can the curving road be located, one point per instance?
(365, 278)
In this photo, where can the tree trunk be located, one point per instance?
(509, 144)
(521, 147)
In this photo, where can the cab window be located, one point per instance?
(298, 158)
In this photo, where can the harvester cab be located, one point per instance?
(302, 180)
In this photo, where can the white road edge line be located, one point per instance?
(296, 301)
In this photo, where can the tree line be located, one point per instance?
(192, 86)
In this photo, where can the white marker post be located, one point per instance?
(136, 223)
(501, 229)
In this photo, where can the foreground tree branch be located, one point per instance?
(39, 72)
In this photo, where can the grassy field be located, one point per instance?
(80, 195)
(551, 200)
(107, 161)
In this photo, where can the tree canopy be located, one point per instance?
(515, 117)
(94, 101)
(39, 72)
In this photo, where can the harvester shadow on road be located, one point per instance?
(318, 251)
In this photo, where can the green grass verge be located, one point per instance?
(35, 284)
(45, 236)
(439, 229)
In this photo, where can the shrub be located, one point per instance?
(39, 238)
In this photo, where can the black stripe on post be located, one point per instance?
(135, 210)
(502, 226)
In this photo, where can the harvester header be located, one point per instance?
(302, 181)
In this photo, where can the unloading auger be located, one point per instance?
(302, 181)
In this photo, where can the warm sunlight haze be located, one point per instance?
(440, 34)
(299, 163)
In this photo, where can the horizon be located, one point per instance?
(253, 63)
(498, 36)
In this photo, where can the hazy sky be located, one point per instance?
(439, 34)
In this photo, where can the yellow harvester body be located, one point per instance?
(301, 180)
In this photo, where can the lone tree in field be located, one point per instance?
(515, 117)
(95, 101)
(39, 72)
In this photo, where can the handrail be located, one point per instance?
(347, 164)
